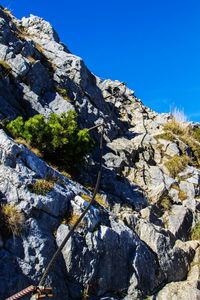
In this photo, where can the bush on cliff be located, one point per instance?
(58, 138)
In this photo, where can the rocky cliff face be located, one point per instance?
(136, 242)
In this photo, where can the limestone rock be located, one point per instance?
(180, 222)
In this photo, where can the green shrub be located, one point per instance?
(177, 164)
(58, 138)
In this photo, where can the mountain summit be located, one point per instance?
(140, 239)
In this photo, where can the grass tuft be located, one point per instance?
(62, 92)
(12, 219)
(42, 186)
(6, 69)
(72, 219)
(174, 127)
(165, 203)
(177, 164)
(181, 194)
(166, 136)
(195, 233)
(35, 150)
(98, 199)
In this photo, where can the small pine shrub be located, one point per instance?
(11, 219)
(177, 164)
(58, 138)
(42, 186)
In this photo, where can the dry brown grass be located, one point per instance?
(31, 59)
(177, 164)
(165, 136)
(6, 69)
(165, 203)
(101, 201)
(174, 127)
(181, 194)
(194, 146)
(13, 219)
(36, 151)
(72, 219)
(42, 186)
(98, 199)
(187, 135)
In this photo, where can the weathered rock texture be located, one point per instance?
(140, 242)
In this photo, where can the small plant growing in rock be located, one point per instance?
(166, 136)
(194, 147)
(71, 219)
(177, 164)
(42, 186)
(195, 232)
(62, 92)
(165, 203)
(5, 69)
(31, 59)
(36, 151)
(98, 199)
(101, 201)
(12, 220)
(181, 194)
(197, 134)
(174, 127)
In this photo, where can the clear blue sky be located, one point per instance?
(152, 45)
